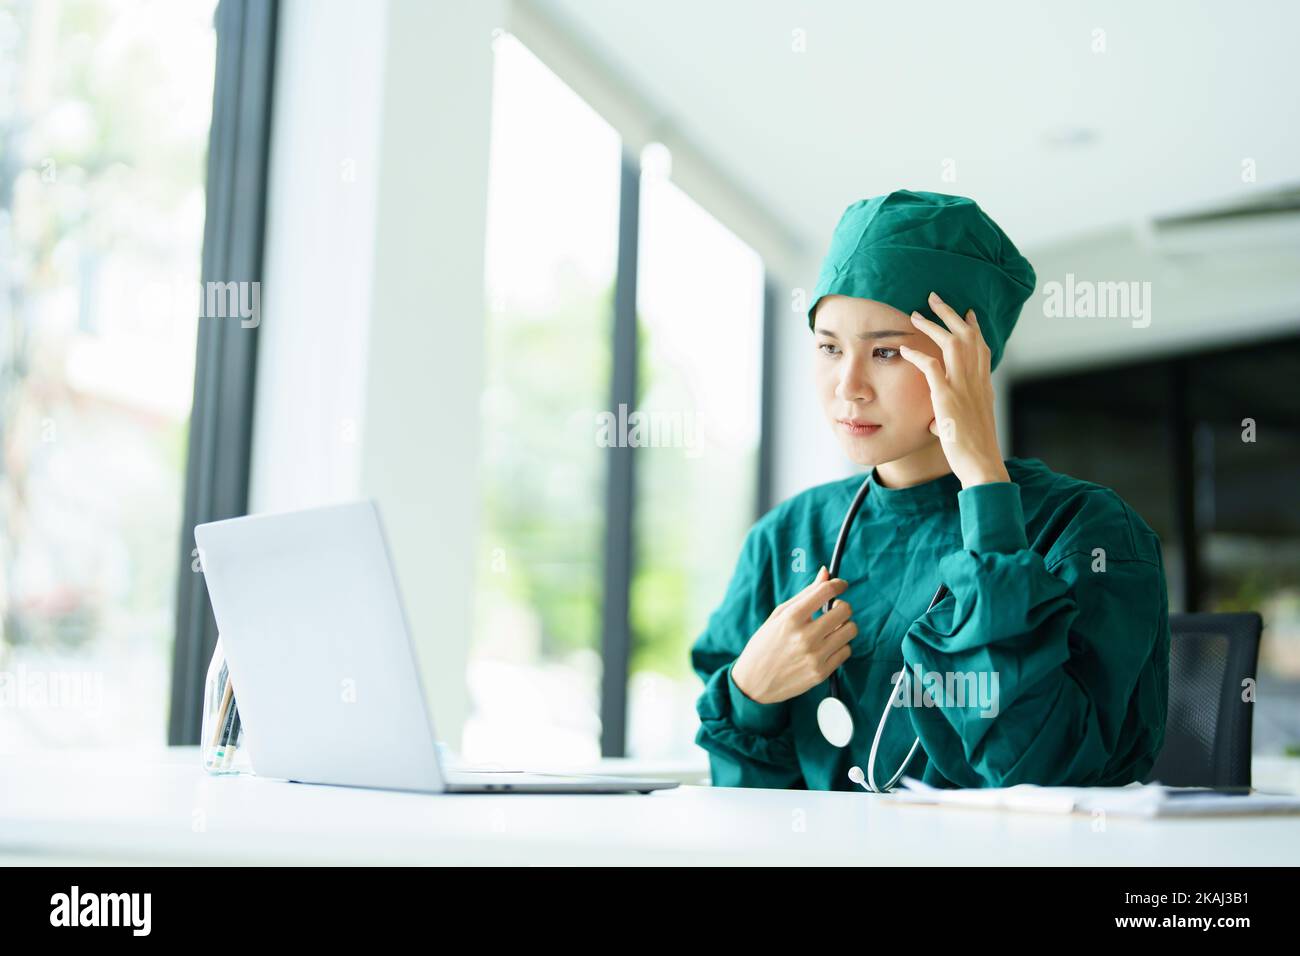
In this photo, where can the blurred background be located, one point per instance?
(485, 234)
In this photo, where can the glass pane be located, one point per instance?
(700, 308)
(553, 197)
(104, 113)
(1245, 410)
(1109, 426)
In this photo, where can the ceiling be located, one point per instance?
(1053, 139)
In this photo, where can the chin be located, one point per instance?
(868, 453)
(866, 457)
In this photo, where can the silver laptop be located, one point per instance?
(322, 662)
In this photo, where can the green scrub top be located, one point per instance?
(1055, 585)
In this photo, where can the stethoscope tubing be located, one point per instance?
(833, 571)
(900, 689)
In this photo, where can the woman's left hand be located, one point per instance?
(961, 391)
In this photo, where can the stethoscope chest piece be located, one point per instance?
(835, 721)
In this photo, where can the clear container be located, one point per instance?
(222, 736)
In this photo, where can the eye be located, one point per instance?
(827, 345)
(876, 352)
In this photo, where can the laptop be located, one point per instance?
(322, 661)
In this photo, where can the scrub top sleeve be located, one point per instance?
(992, 518)
(749, 714)
(1062, 659)
(749, 744)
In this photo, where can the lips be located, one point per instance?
(859, 427)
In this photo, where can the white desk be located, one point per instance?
(89, 808)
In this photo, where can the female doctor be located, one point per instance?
(1044, 658)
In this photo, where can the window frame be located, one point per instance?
(620, 477)
(221, 420)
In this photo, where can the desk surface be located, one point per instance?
(103, 808)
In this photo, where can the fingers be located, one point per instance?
(985, 351)
(928, 364)
(965, 329)
(955, 323)
(829, 621)
(972, 334)
(839, 636)
(835, 660)
(946, 341)
(930, 330)
(815, 595)
(821, 576)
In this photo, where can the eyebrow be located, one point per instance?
(885, 334)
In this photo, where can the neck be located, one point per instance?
(923, 465)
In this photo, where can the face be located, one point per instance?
(861, 376)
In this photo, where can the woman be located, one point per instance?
(1047, 659)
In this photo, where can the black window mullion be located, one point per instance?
(616, 629)
(221, 421)
(1184, 470)
(767, 400)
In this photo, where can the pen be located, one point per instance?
(231, 743)
(223, 712)
(226, 725)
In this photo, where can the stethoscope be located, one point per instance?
(833, 716)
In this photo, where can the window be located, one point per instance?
(700, 307)
(552, 237)
(1206, 447)
(536, 667)
(104, 114)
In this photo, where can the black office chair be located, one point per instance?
(1207, 735)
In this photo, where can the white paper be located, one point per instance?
(1135, 799)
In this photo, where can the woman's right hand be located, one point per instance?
(792, 652)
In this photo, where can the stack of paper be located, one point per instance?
(1135, 799)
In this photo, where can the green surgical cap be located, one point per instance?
(899, 248)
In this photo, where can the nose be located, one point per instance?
(854, 384)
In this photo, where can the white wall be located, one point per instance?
(1227, 286)
(422, 438)
(371, 354)
(320, 235)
